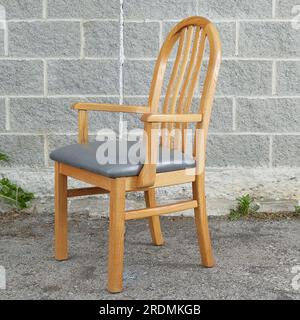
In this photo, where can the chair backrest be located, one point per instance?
(191, 36)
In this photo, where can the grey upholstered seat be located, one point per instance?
(83, 156)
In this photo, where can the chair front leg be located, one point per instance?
(116, 236)
(61, 215)
(202, 222)
(154, 222)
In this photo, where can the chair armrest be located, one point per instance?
(84, 107)
(88, 106)
(154, 118)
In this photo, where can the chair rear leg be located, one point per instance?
(154, 222)
(202, 222)
(61, 215)
(116, 236)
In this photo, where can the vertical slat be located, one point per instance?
(180, 76)
(164, 126)
(183, 68)
(174, 71)
(189, 71)
(82, 126)
(159, 71)
(179, 138)
(196, 73)
(192, 86)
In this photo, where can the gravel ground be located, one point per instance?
(255, 260)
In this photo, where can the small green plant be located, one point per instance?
(4, 157)
(12, 193)
(245, 206)
(297, 209)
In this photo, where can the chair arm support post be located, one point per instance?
(147, 175)
(83, 134)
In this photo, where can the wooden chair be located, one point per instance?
(191, 35)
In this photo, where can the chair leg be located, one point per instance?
(116, 236)
(61, 215)
(154, 222)
(202, 222)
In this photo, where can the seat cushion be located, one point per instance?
(84, 156)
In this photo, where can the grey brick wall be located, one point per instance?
(55, 52)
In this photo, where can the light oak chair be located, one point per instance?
(79, 160)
